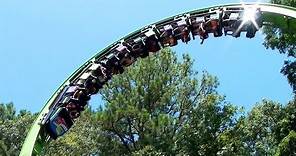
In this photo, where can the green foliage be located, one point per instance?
(12, 129)
(160, 99)
(285, 42)
(287, 146)
(277, 38)
(259, 128)
(207, 128)
(282, 40)
(7, 112)
(289, 70)
(147, 151)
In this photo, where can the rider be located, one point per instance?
(202, 32)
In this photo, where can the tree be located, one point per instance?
(285, 42)
(158, 103)
(260, 128)
(147, 151)
(287, 146)
(13, 128)
(209, 124)
(268, 129)
(7, 112)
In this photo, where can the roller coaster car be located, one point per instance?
(81, 95)
(198, 28)
(71, 90)
(56, 103)
(73, 106)
(77, 93)
(167, 36)
(138, 48)
(214, 24)
(253, 26)
(59, 123)
(151, 41)
(92, 85)
(238, 22)
(203, 34)
(182, 30)
(83, 82)
(74, 109)
(112, 62)
(251, 31)
(231, 22)
(100, 72)
(124, 55)
(195, 25)
(66, 100)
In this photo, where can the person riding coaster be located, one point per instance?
(213, 23)
(89, 82)
(242, 21)
(74, 109)
(181, 31)
(124, 55)
(72, 100)
(78, 93)
(203, 34)
(71, 105)
(98, 71)
(197, 28)
(253, 26)
(167, 36)
(231, 22)
(138, 48)
(112, 64)
(150, 40)
(92, 85)
(59, 123)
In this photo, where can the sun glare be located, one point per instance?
(249, 14)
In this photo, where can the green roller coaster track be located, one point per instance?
(276, 15)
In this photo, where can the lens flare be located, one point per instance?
(249, 15)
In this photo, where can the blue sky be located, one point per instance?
(43, 42)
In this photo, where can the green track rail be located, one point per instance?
(275, 15)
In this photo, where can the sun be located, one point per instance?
(250, 14)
